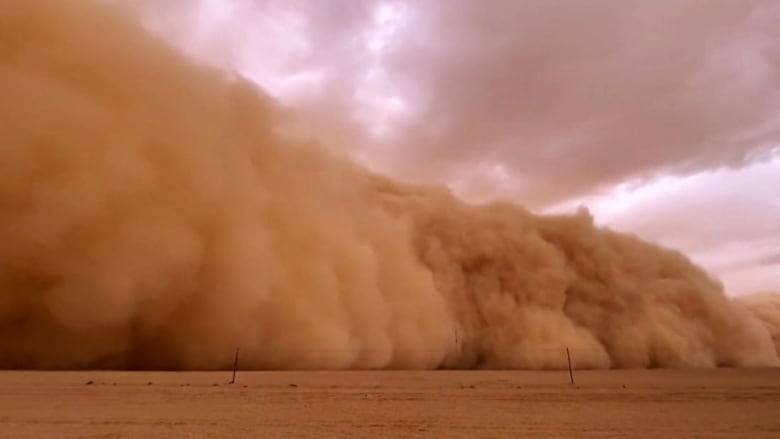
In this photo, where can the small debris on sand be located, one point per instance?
(293, 385)
(89, 383)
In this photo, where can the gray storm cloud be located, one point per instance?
(155, 213)
(569, 97)
(543, 100)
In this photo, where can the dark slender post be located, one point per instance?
(571, 372)
(235, 367)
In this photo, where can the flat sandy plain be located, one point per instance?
(457, 404)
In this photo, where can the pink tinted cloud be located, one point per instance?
(540, 102)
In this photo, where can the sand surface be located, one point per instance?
(465, 404)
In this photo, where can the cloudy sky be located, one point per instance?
(662, 117)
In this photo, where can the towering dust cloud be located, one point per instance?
(767, 308)
(154, 214)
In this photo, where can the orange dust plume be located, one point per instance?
(155, 213)
(766, 307)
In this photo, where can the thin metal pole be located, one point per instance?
(235, 367)
(571, 372)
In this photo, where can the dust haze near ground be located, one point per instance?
(766, 307)
(715, 403)
(155, 213)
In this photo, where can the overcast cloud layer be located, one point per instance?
(545, 103)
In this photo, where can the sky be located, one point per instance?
(663, 118)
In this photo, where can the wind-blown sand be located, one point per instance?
(154, 211)
(628, 403)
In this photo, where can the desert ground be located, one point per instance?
(467, 404)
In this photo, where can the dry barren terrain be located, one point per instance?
(637, 403)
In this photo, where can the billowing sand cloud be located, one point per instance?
(766, 307)
(727, 221)
(155, 213)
